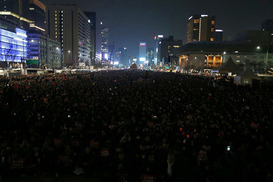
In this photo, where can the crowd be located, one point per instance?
(133, 126)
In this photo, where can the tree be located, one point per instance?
(7, 54)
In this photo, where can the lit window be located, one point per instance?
(195, 29)
(56, 22)
(211, 39)
(212, 29)
(212, 22)
(196, 21)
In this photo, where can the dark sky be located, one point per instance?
(131, 21)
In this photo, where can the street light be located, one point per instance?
(266, 55)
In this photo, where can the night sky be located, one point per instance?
(131, 21)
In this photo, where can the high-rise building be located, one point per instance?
(150, 56)
(218, 35)
(157, 39)
(70, 26)
(16, 11)
(123, 56)
(168, 47)
(37, 16)
(142, 53)
(92, 21)
(201, 28)
(105, 43)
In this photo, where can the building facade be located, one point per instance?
(16, 11)
(13, 45)
(68, 25)
(92, 20)
(151, 56)
(157, 40)
(201, 28)
(168, 47)
(142, 53)
(44, 52)
(105, 43)
(207, 56)
(218, 35)
(37, 12)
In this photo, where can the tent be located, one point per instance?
(246, 77)
(230, 67)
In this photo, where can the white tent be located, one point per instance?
(246, 77)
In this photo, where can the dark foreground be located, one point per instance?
(124, 125)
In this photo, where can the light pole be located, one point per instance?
(266, 55)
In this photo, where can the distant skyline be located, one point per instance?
(132, 21)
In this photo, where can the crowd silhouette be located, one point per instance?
(133, 125)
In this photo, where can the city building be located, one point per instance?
(142, 53)
(16, 11)
(98, 41)
(202, 56)
(255, 37)
(218, 35)
(70, 26)
(92, 20)
(167, 49)
(43, 52)
(201, 28)
(105, 43)
(123, 56)
(151, 56)
(157, 40)
(13, 45)
(37, 16)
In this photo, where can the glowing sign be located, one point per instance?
(142, 59)
(218, 30)
(142, 44)
(204, 15)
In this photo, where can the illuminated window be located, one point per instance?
(194, 40)
(196, 21)
(212, 29)
(195, 29)
(56, 22)
(211, 39)
(212, 22)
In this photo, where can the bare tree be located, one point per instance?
(7, 54)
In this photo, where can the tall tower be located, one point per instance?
(105, 43)
(92, 21)
(201, 28)
(157, 39)
(142, 52)
(70, 26)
